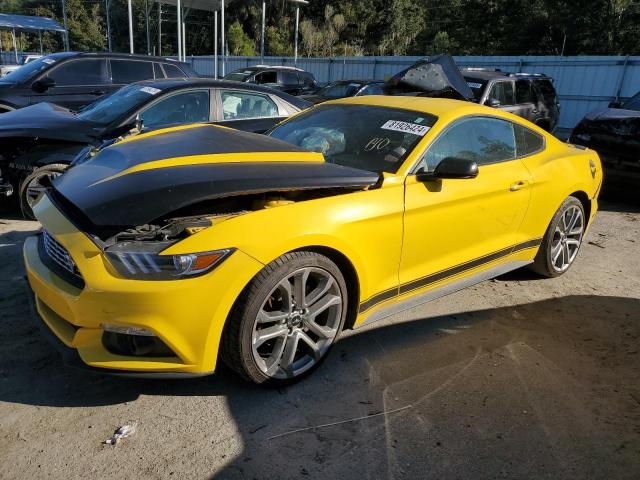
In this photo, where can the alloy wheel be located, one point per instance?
(567, 238)
(297, 323)
(35, 188)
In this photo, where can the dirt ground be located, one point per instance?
(517, 377)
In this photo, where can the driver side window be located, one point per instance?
(188, 107)
(481, 139)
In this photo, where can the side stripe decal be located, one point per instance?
(449, 272)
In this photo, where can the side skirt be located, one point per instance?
(438, 292)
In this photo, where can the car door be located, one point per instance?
(124, 72)
(78, 82)
(453, 226)
(245, 110)
(289, 82)
(268, 78)
(526, 101)
(501, 95)
(178, 108)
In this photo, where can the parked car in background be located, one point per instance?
(73, 80)
(7, 69)
(40, 141)
(346, 88)
(531, 96)
(614, 133)
(294, 81)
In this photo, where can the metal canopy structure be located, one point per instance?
(28, 23)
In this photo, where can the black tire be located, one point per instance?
(543, 263)
(236, 343)
(54, 169)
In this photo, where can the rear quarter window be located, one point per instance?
(528, 142)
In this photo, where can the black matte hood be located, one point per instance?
(46, 120)
(148, 177)
(436, 76)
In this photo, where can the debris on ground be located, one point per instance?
(120, 433)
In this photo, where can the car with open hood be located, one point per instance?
(39, 142)
(614, 132)
(174, 249)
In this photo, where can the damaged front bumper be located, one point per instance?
(187, 315)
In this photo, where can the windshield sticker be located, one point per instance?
(150, 90)
(474, 85)
(48, 61)
(377, 144)
(406, 127)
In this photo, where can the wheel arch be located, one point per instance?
(350, 276)
(586, 202)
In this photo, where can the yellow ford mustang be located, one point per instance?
(176, 248)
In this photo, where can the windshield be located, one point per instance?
(25, 72)
(108, 109)
(339, 90)
(238, 75)
(377, 139)
(477, 87)
(633, 103)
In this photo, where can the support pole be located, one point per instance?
(224, 47)
(295, 51)
(184, 39)
(107, 4)
(147, 11)
(15, 47)
(264, 5)
(66, 28)
(159, 29)
(130, 9)
(215, 45)
(179, 10)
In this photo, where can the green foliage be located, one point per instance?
(239, 42)
(365, 27)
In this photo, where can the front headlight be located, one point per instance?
(144, 261)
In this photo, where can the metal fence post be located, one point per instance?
(329, 70)
(375, 64)
(621, 78)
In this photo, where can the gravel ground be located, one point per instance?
(514, 378)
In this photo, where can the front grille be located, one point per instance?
(57, 258)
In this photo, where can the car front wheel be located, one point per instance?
(35, 184)
(562, 240)
(286, 320)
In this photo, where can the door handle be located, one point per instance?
(519, 185)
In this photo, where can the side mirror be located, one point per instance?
(615, 104)
(495, 103)
(43, 84)
(451, 167)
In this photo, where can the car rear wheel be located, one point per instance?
(286, 320)
(35, 184)
(562, 240)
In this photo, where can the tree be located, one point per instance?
(239, 42)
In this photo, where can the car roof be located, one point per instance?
(363, 82)
(440, 107)
(493, 74)
(179, 83)
(61, 55)
(255, 68)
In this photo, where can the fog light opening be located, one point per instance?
(134, 341)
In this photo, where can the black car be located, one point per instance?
(42, 140)
(293, 81)
(531, 96)
(346, 88)
(73, 80)
(614, 133)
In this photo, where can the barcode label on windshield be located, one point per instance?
(405, 127)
